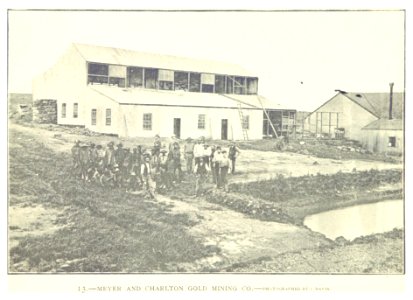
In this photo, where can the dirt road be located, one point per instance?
(238, 237)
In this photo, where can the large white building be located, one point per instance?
(129, 93)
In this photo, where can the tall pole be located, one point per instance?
(391, 101)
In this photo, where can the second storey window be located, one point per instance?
(201, 121)
(75, 110)
(147, 121)
(63, 110)
(108, 117)
(93, 117)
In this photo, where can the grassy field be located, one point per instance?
(101, 230)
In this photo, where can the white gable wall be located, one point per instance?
(65, 82)
(352, 116)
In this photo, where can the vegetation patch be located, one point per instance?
(106, 230)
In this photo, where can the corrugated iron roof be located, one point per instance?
(139, 96)
(378, 103)
(385, 124)
(116, 56)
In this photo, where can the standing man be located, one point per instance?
(198, 151)
(157, 145)
(109, 160)
(146, 173)
(189, 154)
(206, 154)
(233, 153)
(224, 166)
(201, 171)
(215, 166)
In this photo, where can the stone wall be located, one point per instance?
(45, 111)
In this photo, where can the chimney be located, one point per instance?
(391, 102)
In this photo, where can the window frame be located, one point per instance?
(63, 111)
(93, 117)
(201, 121)
(392, 142)
(108, 117)
(75, 110)
(147, 121)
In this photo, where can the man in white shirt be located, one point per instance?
(198, 151)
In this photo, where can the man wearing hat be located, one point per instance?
(224, 166)
(157, 145)
(109, 160)
(146, 173)
(189, 154)
(163, 168)
(233, 153)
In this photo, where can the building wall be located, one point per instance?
(65, 82)
(378, 140)
(131, 123)
(352, 117)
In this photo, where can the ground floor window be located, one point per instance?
(93, 117)
(392, 141)
(147, 121)
(108, 116)
(201, 121)
(75, 110)
(63, 110)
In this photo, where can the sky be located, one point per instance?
(301, 58)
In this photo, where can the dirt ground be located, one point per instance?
(232, 237)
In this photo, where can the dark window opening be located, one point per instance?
(98, 69)
(392, 141)
(97, 79)
(252, 86)
(181, 81)
(166, 85)
(75, 110)
(195, 82)
(230, 84)
(117, 81)
(93, 117)
(151, 78)
(135, 77)
(108, 117)
(239, 86)
(219, 84)
(207, 88)
(63, 110)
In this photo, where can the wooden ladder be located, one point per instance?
(241, 117)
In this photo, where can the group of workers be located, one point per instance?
(158, 167)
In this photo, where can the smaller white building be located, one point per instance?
(383, 135)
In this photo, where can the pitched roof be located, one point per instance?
(385, 124)
(139, 96)
(378, 103)
(116, 56)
